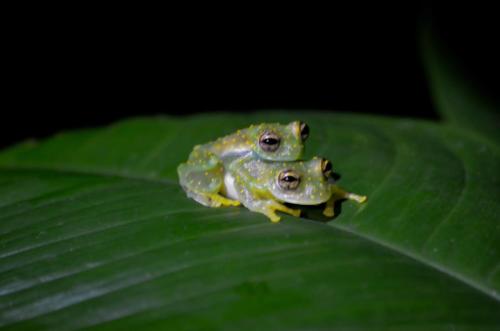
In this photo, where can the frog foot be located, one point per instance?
(272, 216)
(356, 197)
(340, 194)
(271, 213)
(223, 201)
(328, 211)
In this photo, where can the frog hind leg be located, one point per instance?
(202, 181)
(210, 199)
(339, 194)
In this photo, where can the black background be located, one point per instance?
(91, 67)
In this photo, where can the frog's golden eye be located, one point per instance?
(326, 167)
(288, 180)
(269, 141)
(304, 131)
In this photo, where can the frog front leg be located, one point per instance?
(269, 208)
(255, 200)
(201, 178)
(339, 194)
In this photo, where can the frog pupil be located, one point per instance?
(288, 180)
(270, 141)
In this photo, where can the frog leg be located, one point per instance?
(222, 200)
(328, 211)
(254, 201)
(202, 179)
(270, 213)
(339, 194)
(278, 206)
(269, 208)
(211, 199)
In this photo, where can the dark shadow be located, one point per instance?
(315, 212)
(335, 176)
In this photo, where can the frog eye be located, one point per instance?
(269, 141)
(304, 131)
(288, 180)
(326, 167)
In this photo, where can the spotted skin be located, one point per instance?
(202, 175)
(238, 169)
(257, 186)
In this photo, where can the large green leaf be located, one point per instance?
(95, 231)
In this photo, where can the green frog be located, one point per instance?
(264, 186)
(202, 176)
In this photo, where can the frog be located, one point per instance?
(202, 176)
(264, 187)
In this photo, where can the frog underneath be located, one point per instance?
(202, 176)
(263, 186)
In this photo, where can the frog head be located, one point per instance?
(278, 142)
(302, 183)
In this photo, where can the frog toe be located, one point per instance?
(357, 198)
(273, 217)
(285, 209)
(328, 212)
(223, 201)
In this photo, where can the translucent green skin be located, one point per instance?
(257, 180)
(202, 175)
(256, 184)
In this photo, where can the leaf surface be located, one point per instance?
(95, 232)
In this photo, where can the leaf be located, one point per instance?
(95, 232)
